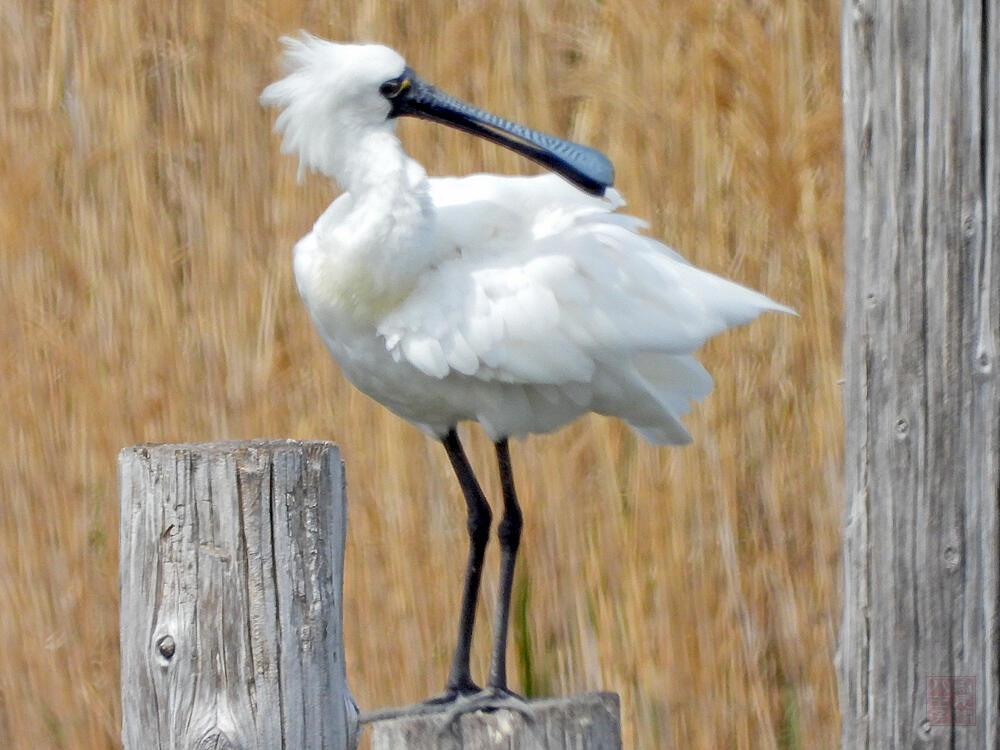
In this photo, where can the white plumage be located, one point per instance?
(517, 302)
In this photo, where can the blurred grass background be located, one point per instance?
(146, 225)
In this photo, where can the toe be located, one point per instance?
(446, 701)
(488, 700)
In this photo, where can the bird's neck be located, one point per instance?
(379, 248)
(391, 214)
(369, 163)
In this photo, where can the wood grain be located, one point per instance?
(921, 109)
(231, 577)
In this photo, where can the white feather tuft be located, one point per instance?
(329, 99)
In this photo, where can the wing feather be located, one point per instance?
(547, 285)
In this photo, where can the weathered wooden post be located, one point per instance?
(231, 570)
(919, 656)
(579, 722)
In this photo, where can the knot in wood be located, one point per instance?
(984, 363)
(166, 647)
(969, 225)
(216, 739)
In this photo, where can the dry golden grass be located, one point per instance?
(146, 222)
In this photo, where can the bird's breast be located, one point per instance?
(341, 290)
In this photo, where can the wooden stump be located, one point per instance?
(581, 722)
(231, 562)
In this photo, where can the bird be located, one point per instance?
(518, 302)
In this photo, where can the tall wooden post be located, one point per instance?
(231, 569)
(919, 655)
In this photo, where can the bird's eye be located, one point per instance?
(395, 87)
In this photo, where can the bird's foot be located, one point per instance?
(490, 699)
(487, 700)
(441, 703)
(455, 703)
(449, 707)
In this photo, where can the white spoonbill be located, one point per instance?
(519, 303)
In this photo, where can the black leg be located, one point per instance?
(459, 676)
(509, 533)
(461, 695)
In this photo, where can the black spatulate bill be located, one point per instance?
(587, 168)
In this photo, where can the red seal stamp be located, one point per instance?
(951, 701)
